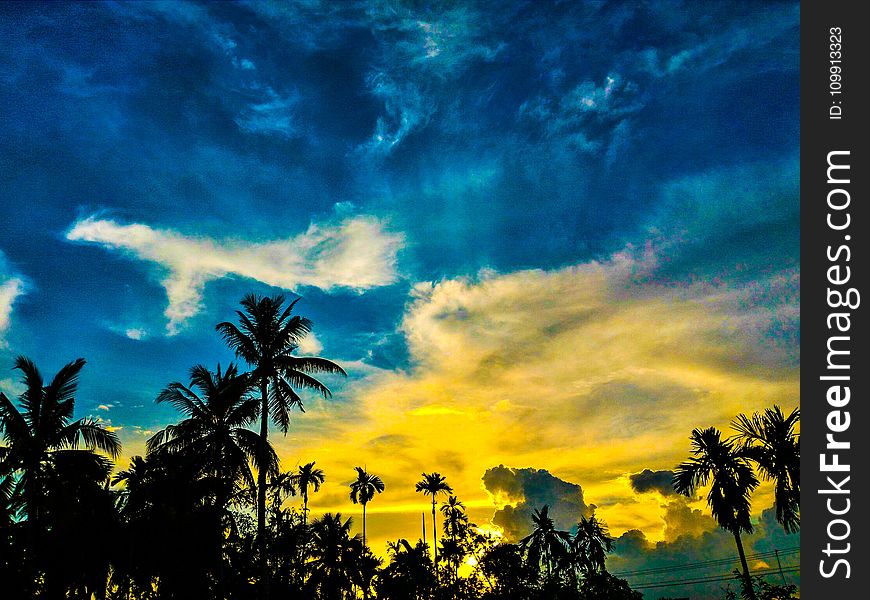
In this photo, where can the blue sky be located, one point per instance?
(159, 160)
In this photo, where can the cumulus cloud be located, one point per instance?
(357, 253)
(525, 490)
(697, 549)
(653, 481)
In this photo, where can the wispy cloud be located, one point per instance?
(273, 115)
(406, 109)
(357, 253)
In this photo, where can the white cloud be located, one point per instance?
(310, 345)
(357, 253)
(11, 287)
(136, 333)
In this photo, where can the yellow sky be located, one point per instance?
(592, 372)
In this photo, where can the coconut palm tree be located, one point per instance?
(308, 477)
(215, 431)
(334, 557)
(42, 439)
(545, 545)
(266, 338)
(770, 440)
(722, 464)
(433, 484)
(363, 490)
(590, 545)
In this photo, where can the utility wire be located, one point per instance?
(708, 563)
(711, 579)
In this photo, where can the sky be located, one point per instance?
(545, 239)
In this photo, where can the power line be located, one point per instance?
(708, 563)
(711, 579)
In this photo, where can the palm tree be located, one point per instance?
(363, 490)
(42, 438)
(307, 477)
(545, 544)
(433, 484)
(591, 544)
(721, 463)
(334, 557)
(770, 440)
(215, 431)
(266, 337)
(455, 525)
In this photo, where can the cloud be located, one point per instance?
(697, 549)
(310, 345)
(11, 288)
(406, 109)
(274, 115)
(524, 490)
(653, 481)
(592, 370)
(357, 254)
(136, 333)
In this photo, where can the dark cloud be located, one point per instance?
(653, 481)
(695, 548)
(526, 490)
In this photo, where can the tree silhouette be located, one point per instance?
(455, 526)
(409, 575)
(43, 444)
(334, 557)
(215, 435)
(722, 464)
(546, 544)
(362, 490)
(589, 547)
(433, 484)
(215, 431)
(770, 440)
(266, 338)
(308, 477)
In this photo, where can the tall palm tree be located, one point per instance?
(215, 431)
(308, 477)
(722, 464)
(590, 544)
(363, 490)
(771, 441)
(42, 438)
(266, 338)
(433, 484)
(546, 544)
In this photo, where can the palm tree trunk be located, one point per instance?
(434, 537)
(261, 491)
(221, 501)
(364, 586)
(746, 576)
